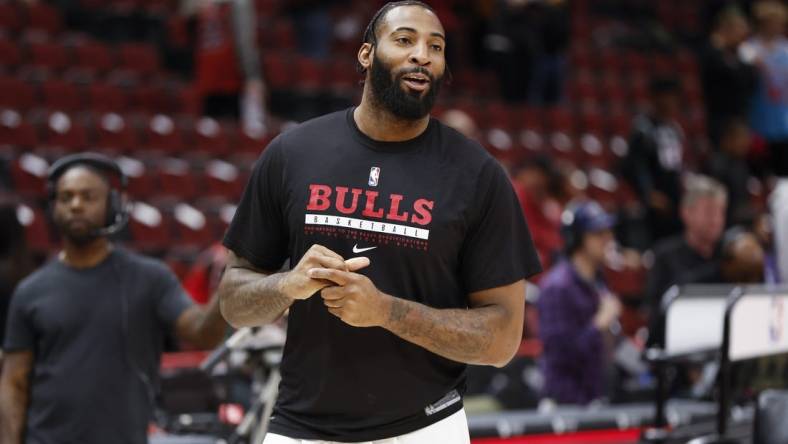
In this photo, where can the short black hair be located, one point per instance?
(370, 34)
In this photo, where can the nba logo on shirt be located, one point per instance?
(374, 175)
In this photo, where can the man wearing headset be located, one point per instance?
(85, 332)
(576, 310)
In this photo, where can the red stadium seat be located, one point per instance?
(250, 144)
(61, 95)
(151, 98)
(150, 228)
(176, 179)
(223, 179)
(94, 56)
(499, 115)
(28, 174)
(37, 233)
(107, 98)
(187, 100)
(10, 17)
(115, 132)
(341, 75)
(140, 58)
(142, 182)
(309, 73)
(15, 131)
(163, 134)
(191, 226)
(560, 119)
(10, 54)
(16, 94)
(44, 17)
(211, 137)
(65, 132)
(50, 55)
(277, 72)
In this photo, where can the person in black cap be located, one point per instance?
(576, 310)
(85, 332)
(655, 161)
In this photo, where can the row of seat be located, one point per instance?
(85, 53)
(164, 97)
(127, 132)
(153, 226)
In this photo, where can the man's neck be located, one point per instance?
(85, 256)
(379, 124)
(703, 249)
(584, 266)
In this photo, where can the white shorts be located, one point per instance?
(451, 430)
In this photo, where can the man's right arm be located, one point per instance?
(249, 296)
(14, 384)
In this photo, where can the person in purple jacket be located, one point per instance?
(576, 311)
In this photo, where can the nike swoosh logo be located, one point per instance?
(361, 250)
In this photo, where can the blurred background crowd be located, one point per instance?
(671, 115)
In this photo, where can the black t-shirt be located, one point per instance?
(438, 219)
(675, 263)
(87, 384)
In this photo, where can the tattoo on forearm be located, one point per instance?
(458, 334)
(248, 300)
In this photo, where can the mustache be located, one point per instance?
(415, 70)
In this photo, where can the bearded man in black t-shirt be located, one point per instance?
(377, 345)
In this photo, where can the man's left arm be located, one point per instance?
(486, 333)
(203, 327)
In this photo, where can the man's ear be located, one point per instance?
(365, 54)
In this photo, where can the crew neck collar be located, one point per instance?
(390, 147)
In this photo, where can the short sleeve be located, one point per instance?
(498, 249)
(258, 231)
(171, 298)
(19, 333)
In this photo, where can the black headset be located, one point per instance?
(117, 210)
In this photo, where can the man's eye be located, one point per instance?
(403, 40)
(437, 48)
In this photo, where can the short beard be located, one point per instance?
(387, 91)
(79, 239)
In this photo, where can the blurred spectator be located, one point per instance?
(314, 27)
(462, 122)
(527, 43)
(535, 182)
(693, 256)
(551, 35)
(729, 166)
(728, 82)
(227, 61)
(511, 47)
(576, 310)
(768, 50)
(742, 257)
(764, 232)
(654, 162)
(15, 260)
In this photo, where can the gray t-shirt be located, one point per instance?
(97, 337)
